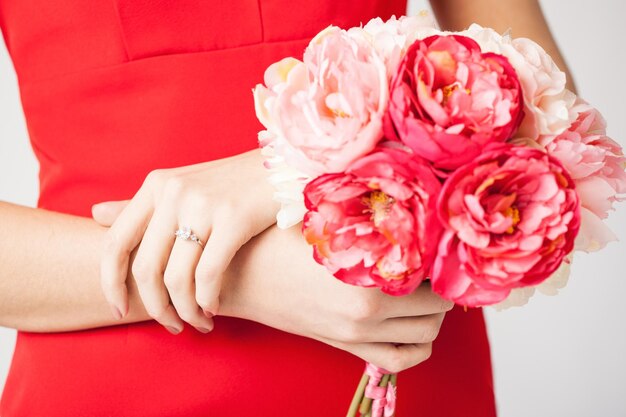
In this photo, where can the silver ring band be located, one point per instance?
(185, 233)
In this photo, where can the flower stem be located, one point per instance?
(394, 381)
(358, 396)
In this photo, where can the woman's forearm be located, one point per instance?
(50, 275)
(49, 272)
(524, 17)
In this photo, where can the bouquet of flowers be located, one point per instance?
(409, 153)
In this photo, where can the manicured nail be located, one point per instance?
(173, 330)
(116, 313)
(203, 330)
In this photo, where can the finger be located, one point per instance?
(149, 266)
(219, 251)
(107, 212)
(180, 282)
(419, 329)
(422, 301)
(122, 238)
(393, 358)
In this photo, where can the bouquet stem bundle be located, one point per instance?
(375, 395)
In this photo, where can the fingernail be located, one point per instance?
(116, 313)
(203, 330)
(173, 330)
(208, 314)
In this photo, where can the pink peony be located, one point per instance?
(448, 100)
(596, 163)
(510, 217)
(375, 225)
(329, 111)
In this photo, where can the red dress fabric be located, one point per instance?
(113, 89)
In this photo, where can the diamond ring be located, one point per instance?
(185, 233)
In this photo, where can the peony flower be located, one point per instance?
(510, 217)
(375, 225)
(548, 105)
(448, 100)
(329, 111)
(392, 38)
(596, 163)
(276, 78)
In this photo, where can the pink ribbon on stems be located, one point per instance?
(383, 398)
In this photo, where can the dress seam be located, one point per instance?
(121, 31)
(24, 82)
(261, 19)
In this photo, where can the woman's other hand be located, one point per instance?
(275, 281)
(225, 203)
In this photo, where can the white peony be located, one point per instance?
(288, 183)
(391, 39)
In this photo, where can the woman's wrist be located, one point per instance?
(267, 203)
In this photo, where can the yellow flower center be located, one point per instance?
(390, 276)
(339, 113)
(379, 205)
(552, 245)
(513, 213)
(449, 89)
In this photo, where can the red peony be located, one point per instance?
(375, 225)
(510, 217)
(448, 100)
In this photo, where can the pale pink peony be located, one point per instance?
(375, 225)
(596, 163)
(449, 100)
(276, 78)
(329, 111)
(548, 105)
(510, 218)
(320, 114)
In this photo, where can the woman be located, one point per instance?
(118, 93)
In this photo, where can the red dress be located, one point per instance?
(113, 89)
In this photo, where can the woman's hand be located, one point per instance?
(275, 281)
(225, 203)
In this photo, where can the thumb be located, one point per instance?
(105, 213)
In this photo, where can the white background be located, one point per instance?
(558, 356)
